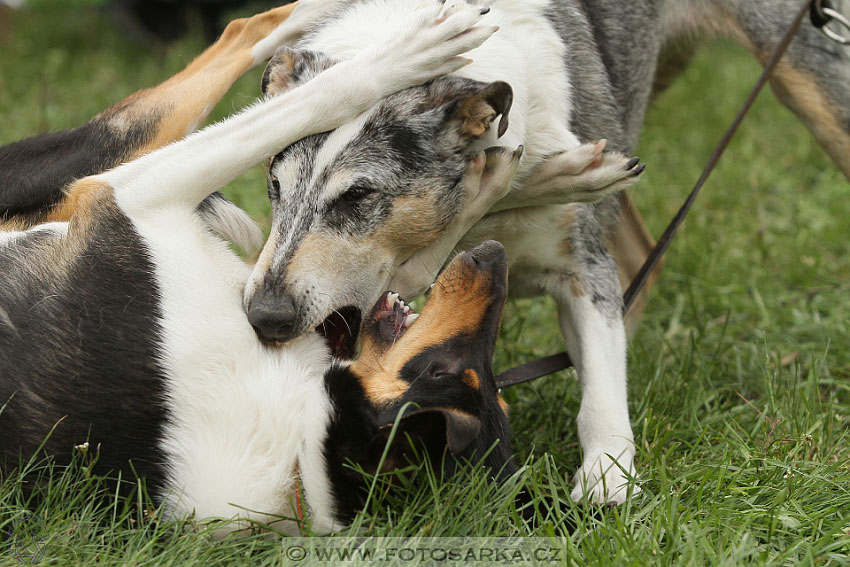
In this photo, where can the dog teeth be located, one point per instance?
(410, 319)
(391, 299)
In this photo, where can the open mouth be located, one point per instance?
(340, 330)
(391, 317)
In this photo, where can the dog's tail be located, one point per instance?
(231, 223)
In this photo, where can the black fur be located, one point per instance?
(34, 171)
(79, 352)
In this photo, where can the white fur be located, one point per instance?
(242, 414)
(56, 229)
(528, 54)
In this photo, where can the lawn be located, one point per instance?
(739, 373)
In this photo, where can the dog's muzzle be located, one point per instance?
(273, 321)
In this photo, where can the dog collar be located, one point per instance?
(299, 498)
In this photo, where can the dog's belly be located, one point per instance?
(241, 416)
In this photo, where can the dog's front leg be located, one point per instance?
(182, 103)
(583, 174)
(587, 291)
(31, 185)
(182, 174)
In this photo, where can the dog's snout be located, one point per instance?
(488, 254)
(273, 321)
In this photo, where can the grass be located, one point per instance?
(739, 374)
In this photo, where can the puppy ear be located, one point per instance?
(479, 109)
(460, 428)
(290, 68)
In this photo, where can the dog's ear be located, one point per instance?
(290, 68)
(429, 425)
(479, 109)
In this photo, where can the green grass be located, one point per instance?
(739, 374)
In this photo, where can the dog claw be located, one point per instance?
(632, 162)
(484, 10)
(638, 170)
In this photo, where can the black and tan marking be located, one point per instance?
(38, 175)
(442, 362)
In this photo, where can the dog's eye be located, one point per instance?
(355, 194)
(441, 371)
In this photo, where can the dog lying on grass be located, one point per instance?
(123, 326)
(121, 314)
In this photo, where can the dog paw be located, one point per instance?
(604, 480)
(428, 45)
(584, 174)
(488, 179)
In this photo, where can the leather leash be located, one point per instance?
(553, 363)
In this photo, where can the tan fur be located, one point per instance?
(78, 200)
(183, 102)
(458, 303)
(476, 115)
(413, 224)
(798, 89)
(470, 378)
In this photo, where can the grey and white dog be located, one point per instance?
(352, 206)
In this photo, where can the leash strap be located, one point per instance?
(553, 363)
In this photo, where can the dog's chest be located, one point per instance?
(526, 52)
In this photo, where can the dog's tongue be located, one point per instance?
(392, 316)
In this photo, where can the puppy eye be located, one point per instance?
(441, 372)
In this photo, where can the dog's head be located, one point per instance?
(351, 205)
(438, 369)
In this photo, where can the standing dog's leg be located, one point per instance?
(565, 256)
(34, 172)
(588, 295)
(811, 79)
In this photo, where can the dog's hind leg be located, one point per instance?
(34, 172)
(813, 77)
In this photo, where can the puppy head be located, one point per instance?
(442, 363)
(350, 205)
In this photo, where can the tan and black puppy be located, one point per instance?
(436, 368)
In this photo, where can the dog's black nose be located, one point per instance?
(273, 320)
(488, 254)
